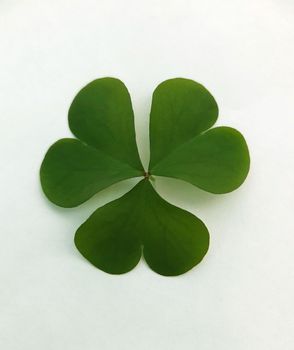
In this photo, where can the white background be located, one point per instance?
(241, 296)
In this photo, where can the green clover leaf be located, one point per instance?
(183, 146)
(216, 161)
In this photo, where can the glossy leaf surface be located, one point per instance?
(173, 240)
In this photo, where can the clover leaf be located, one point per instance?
(183, 146)
(216, 161)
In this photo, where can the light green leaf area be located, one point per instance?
(113, 238)
(216, 160)
(73, 172)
